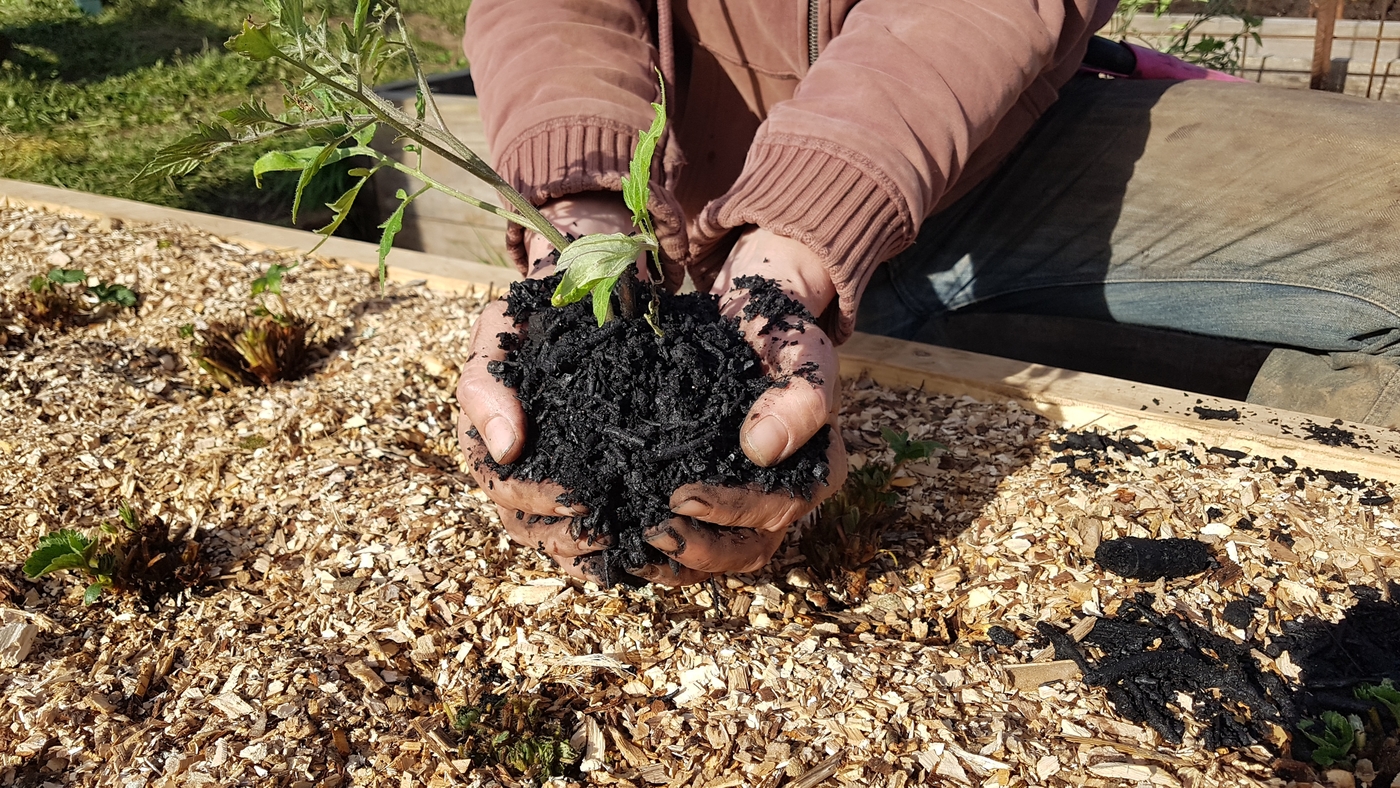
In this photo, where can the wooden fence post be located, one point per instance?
(1327, 13)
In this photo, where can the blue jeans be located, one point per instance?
(1226, 210)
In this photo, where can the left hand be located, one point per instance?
(778, 424)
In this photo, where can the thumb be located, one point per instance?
(782, 420)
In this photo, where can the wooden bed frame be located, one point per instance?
(1074, 399)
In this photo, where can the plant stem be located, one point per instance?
(438, 141)
(451, 192)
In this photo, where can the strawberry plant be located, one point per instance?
(62, 296)
(268, 348)
(134, 555)
(850, 526)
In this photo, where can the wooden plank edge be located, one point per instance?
(1079, 399)
(1073, 399)
(405, 265)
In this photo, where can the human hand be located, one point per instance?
(493, 420)
(779, 423)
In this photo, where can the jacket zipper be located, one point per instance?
(813, 25)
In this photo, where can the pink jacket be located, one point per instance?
(840, 123)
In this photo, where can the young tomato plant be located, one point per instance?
(850, 527)
(332, 106)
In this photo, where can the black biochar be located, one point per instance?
(1150, 559)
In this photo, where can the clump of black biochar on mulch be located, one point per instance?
(621, 416)
(1145, 660)
(1095, 450)
(1151, 559)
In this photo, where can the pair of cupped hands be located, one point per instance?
(780, 422)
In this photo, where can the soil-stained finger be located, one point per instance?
(710, 549)
(665, 575)
(743, 507)
(489, 406)
(540, 498)
(551, 534)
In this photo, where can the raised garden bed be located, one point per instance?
(360, 592)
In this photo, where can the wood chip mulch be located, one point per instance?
(360, 588)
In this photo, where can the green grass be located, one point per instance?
(86, 101)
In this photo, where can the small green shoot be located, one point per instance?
(593, 264)
(851, 525)
(56, 299)
(68, 549)
(513, 732)
(269, 348)
(1385, 694)
(1336, 740)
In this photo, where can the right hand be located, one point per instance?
(527, 508)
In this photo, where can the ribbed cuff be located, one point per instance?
(829, 198)
(575, 155)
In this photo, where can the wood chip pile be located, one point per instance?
(361, 589)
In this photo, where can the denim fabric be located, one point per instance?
(1227, 210)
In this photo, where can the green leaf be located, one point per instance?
(593, 260)
(250, 113)
(906, 450)
(67, 276)
(114, 294)
(341, 207)
(253, 42)
(1336, 740)
(362, 16)
(636, 185)
(365, 135)
(270, 282)
(602, 300)
(391, 228)
(298, 160)
(39, 284)
(64, 549)
(94, 591)
(187, 153)
(1385, 693)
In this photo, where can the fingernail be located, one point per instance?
(693, 507)
(499, 435)
(570, 511)
(665, 539)
(766, 440)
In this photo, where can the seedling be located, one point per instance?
(1385, 694)
(513, 732)
(130, 556)
(56, 298)
(67, 549)
(332, 106)
(1338, 736)
(851, 525)
(270, 348)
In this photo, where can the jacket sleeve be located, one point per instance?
(888, 119)
(564, 87)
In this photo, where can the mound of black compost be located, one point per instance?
(621, 416)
